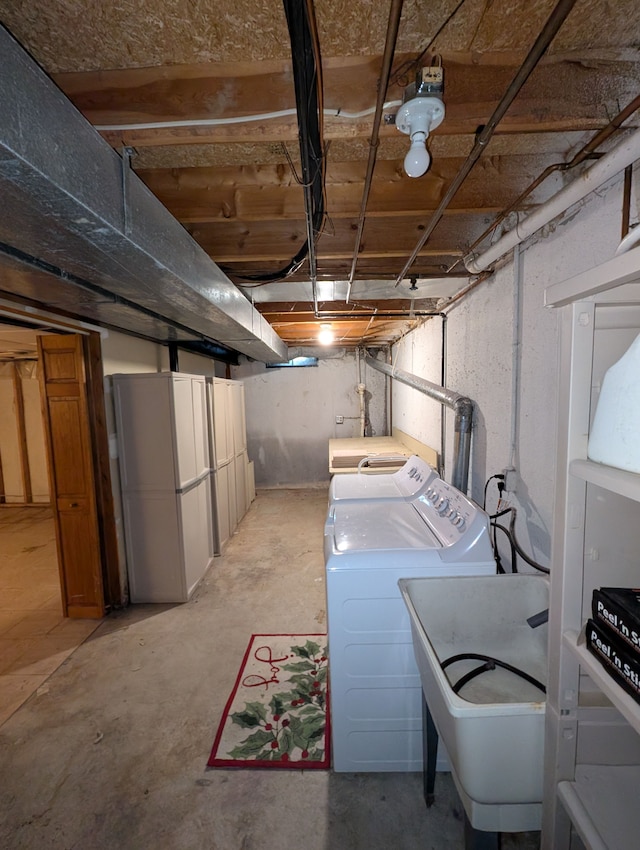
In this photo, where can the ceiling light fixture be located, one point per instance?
(421, 112)
(326, 336)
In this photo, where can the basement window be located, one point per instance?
(296, 361)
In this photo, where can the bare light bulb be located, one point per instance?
(326, 336)
(417, 160)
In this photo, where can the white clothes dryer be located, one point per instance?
(406, 483)
(375, 689)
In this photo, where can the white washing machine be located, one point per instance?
(406, 483)
(376, 695)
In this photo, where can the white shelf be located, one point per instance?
(616, 480)
(616, 272)
(603, 805)
(625, 703)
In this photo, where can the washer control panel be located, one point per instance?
(448, 511)
(413, 476)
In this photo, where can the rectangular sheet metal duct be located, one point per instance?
(67, 200)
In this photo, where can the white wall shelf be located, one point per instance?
(616, 480)
(587, 801)
(626, 705)
(592, 762)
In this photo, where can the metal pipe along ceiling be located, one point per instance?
(623, 154)
(553, 24)
(395, 12)
(461, 405)
(588, 151)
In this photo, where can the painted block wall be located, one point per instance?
(480, 349)
(419, 353)
(291, 416)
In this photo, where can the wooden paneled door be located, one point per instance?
(73, 410)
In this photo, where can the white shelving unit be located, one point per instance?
(592, 758)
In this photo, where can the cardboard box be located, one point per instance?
(619, 609)
(621, 662)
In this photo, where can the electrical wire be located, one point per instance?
(514, 559)
(243, 119)
(499, 477)
(490, 664)
(511, 533)
(307, 79)
(411, 64)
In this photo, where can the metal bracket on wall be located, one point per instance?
(127, 153)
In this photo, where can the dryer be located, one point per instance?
(407, 483)
(376, 695)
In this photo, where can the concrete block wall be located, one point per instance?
(480, 361)
(291, 415)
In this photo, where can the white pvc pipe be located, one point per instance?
(242, 119)
(516, 347)
(360, 389)
(623, 154)
(632, 238)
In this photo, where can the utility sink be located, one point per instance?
(493, 730)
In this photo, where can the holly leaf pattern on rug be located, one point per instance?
(292, 724)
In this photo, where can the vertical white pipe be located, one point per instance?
(360, 389)
(516, 345)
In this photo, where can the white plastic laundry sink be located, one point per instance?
(493, 730)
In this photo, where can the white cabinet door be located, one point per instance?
(221, 415)
(196, 524)
(222, 505)
(145, 432)
(154, 548)
(241, 485)
(187, 469)
(201, 435)
(238, 423)
(233, 508)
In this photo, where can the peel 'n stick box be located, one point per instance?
(619, 609)
(616, 657)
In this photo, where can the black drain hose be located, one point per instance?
(490, 664)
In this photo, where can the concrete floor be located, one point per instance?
(34, 636)
(110, 752)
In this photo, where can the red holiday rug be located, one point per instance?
(278, 712)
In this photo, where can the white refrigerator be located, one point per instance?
(165, 470)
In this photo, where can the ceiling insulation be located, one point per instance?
(235, 187)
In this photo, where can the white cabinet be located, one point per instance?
(592, 759)
(165, 476)
(222, 421)
(234, 488)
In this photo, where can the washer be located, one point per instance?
(376, 695)
(407, 483)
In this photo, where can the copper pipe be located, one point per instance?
(586, 152)
(467, 289)
(395, 11)
(553, 24)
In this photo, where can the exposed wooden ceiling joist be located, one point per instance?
(234, 187)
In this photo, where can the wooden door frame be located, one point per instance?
(92, 351)
(98, 435)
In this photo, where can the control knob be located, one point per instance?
(442, 506)
(459, 522)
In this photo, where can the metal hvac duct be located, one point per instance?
(462, 406)
(70, 201)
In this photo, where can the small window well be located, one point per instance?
(296, 361)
